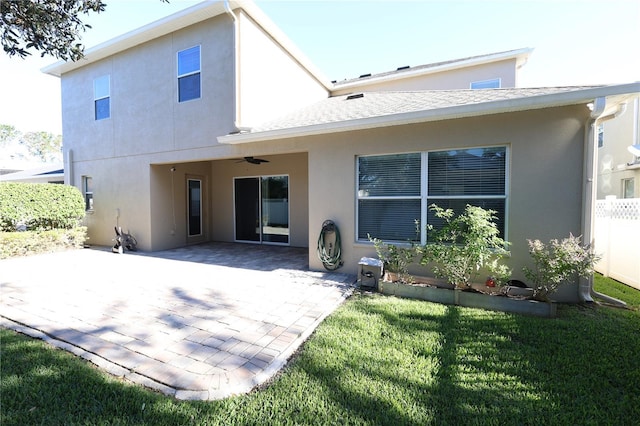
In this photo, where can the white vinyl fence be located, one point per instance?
(617, 239)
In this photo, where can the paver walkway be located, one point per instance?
(201, 322)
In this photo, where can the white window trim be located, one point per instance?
(260, 178)
(85, 192)
(179, 76)
(424, 197)
(491, 80)
(107, 96)
(625, 184)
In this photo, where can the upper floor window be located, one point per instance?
(494, 83)
(102, 97)
(189, 74)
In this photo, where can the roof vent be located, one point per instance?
(356, 96)
(406, 67)
(365, 75)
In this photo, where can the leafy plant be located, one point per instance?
(465, 244)
(558, 262)
(396, 258)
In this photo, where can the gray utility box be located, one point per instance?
(369, 272)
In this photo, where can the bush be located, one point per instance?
(14, 244)
(39, 206)
(557, 263)
(465, 244)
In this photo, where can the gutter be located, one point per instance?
(586, 293)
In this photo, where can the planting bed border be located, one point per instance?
(468, 299)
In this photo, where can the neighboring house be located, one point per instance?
(46, 173)
(619, 153)
(165, 129)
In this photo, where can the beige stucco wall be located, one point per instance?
(545, 179)
(272, 81)
(145, 115)
(446, 80)
(147, 125)
(222, 210)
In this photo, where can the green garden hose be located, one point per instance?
(329, 250)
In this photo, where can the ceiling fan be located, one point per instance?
(253, 160)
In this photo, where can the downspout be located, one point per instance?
(68, 168)
(236, 65)
(586, 293)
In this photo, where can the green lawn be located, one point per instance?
(378, 360)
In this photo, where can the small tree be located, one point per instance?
(465, 244)
(52, 27)
(557, 263)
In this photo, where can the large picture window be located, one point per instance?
(189, 74)
(395, 191)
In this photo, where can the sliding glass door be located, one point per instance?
(262, 209)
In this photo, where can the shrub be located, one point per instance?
(465, 244)
(39, 206)
(14, 244)
(558, 262)
(396, 258)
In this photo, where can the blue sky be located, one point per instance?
(576, 42)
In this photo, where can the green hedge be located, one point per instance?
(14, 244)
(39, 206)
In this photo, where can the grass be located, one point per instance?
(378, 360)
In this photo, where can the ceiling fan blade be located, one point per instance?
(254, 160)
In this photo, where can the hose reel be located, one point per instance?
(329, 250)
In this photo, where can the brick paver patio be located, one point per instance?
(202, 322)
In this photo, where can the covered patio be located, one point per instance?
(200, 322)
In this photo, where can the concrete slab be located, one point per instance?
(201, 322)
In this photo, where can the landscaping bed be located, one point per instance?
(478, 296)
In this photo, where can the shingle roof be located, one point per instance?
(379, 104)
(368, 110)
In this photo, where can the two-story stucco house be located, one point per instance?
(210, 125)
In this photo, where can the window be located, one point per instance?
(102, 97)
(87, 189)
(486, 84)
(394, 191)
(189, 74)
(600, 135)
(628, 188)
(194, 207)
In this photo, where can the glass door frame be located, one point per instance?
(201, 236)
(261, 240)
